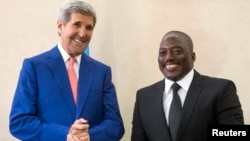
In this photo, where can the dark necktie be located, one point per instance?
(175, 112)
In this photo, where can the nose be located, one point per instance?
(169, 56)
(82, 31)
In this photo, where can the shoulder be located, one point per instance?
(151, 89)
(95, 64)
(94, 61)
(152, 86)
(43, 56)
(213, 81)
(216, 80)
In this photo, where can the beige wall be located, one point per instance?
(127, 37)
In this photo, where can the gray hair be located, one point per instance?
(75, 6)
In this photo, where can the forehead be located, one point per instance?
(81, 17)
(172, 41)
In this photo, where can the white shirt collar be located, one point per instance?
(66, 56)
(184, 82)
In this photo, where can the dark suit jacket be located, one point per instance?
(208, 101)
(43, 108)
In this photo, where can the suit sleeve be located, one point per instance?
(111, 128)
(24, 121)
(229, 109)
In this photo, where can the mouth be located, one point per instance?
(79, 41)
(170, 67)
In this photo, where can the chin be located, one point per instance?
(173, 77)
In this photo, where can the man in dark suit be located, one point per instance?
(203, 100)
(44, 108)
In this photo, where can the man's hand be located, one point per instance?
(79, 131)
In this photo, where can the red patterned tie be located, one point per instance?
(73, 77)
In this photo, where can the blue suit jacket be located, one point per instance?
(43, 108)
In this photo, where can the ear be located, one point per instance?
(59, 27)
(193, 56)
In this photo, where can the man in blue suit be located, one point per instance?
(43, 107)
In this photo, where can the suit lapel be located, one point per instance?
(157, 99)
(158, 111)
(190, 102)
(57, 66)
(86, 74)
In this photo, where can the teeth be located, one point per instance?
(78, 41)
(171, 66)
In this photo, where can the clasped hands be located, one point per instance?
(79, 131)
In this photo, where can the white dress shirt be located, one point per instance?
(168, 92)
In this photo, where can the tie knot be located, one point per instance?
(72, 60)
(175, 87)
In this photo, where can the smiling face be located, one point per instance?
(76, 33)
(176, 57)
